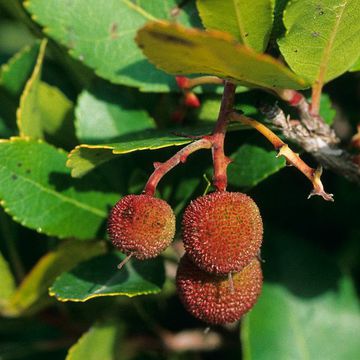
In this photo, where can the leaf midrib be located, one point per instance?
(63, 198)
(326, 54)
(139, 10)
(240, 25)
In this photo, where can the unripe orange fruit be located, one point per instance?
(222, 231)
(211, 298)
(141, 225)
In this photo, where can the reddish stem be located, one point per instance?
(221, 161)
(180, 157)
(214, 142)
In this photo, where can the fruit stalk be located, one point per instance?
(180, 157)
(221, 161)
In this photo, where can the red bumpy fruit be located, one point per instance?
(141, 225)
(210, 297)
(222, 231)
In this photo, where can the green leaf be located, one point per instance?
(252, 164)
(101, 277)
(13, 76)
(307, 306)
(85, 158)
(107, 44)
(14, 73)
(178, 50)
(322, 37)
(356, 66)
(36, 190)
(250, 22)
(7, 287)
(101, 341)
(32, 292)
(327, 112)
(106, 111)
(278, 26)
(282, 326)
(56, 113)
(28, 114)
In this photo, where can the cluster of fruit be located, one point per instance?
(219, 278)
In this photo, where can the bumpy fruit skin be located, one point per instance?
(222, 231)
(210, 298)
(141, 225)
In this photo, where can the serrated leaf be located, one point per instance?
(101, 341)
(250, 22)
(101, 277)
(107, 44)
(322, 37)
(13, 76)
(36, 189)
(14, 73)
(179, 50)
(85, 158)
(8, 285)
(252, 164)
(106, 111)
(28, 115)
(32, 292)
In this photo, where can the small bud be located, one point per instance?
(191, 100)
(183, 82)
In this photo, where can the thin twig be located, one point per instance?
(180, 157)
(221, 161)
(316, 137)
(294, 159)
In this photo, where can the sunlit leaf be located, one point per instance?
(107, 44)
(322, 37)
(28, 114)
(250, 22)
(179, 50)
(36, 189)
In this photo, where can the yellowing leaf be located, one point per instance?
(178, 50)
(7, 287)
(32, 292)
(28, 115)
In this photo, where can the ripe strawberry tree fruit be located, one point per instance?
(139, 143)
(141, 226)
(222, 231)
(211, 299)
